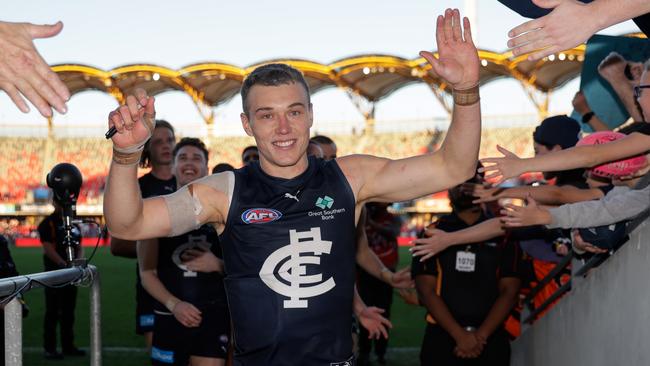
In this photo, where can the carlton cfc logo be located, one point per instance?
(260, 215)
(285, 270)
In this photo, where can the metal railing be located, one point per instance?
(579, 269)
(12, 286)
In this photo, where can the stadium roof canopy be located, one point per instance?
(366, 78)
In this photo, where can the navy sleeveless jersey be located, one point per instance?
(150, 186)
(198, 288)
(289, 251)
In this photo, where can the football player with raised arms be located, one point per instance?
(290, 259)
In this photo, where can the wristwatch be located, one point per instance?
(587, 116)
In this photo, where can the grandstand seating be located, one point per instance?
(21, 166)
(22, 163)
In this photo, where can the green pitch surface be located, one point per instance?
(123, 347)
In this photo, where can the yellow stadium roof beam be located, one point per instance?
(367, 79)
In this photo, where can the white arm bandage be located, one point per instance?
(184, 205)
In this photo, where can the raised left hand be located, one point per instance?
(457, 62)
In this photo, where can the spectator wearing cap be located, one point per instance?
(554, 134)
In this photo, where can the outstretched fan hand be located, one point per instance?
(503, 168)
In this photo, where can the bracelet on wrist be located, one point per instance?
(587, 117)
(126, 158)
(467, 96)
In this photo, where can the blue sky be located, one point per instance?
(175, 34)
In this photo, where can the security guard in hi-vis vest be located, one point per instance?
(287, 223)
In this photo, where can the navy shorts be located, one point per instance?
(173, 343)
(144, 317)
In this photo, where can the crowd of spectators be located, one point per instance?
(23, 160)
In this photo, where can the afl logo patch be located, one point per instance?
(260, 215)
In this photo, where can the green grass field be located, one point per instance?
(123, 347)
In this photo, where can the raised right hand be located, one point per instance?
(134, 120)
(187, 314)
(457, 61)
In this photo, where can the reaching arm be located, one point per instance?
(368, 260)
(610, 210)
(370, 263)
(615, 207)
(510, 165)
(438, 240)
(557, 31)
(582, 107)
(184, 312)
(547, 195)
(374, 179)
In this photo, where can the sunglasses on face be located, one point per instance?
(638, 90)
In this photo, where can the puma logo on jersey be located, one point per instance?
(289, 195)
(291, 279)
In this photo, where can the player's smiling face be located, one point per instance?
(189, 165)
(279, 118)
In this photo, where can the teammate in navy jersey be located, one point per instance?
(184, 275)
(287, 222)
(157, 155)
